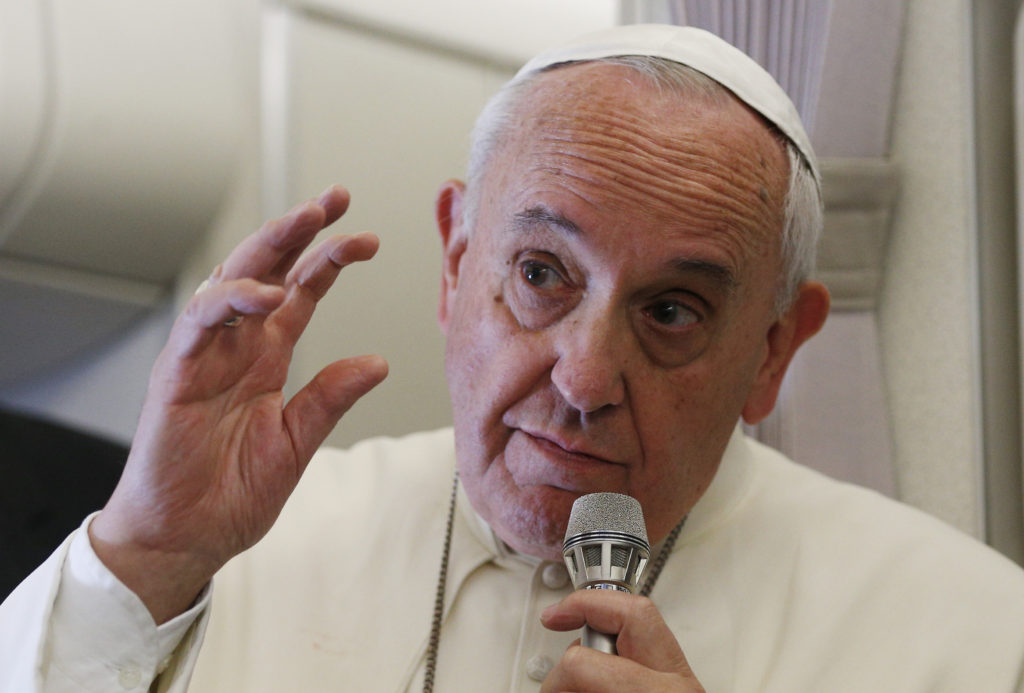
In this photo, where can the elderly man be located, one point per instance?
(625, 276)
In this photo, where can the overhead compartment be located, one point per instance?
(117, 145)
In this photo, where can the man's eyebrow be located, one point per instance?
(539, 215)
(719, 274)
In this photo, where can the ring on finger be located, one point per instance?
(230, 322)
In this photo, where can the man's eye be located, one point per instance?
(672, 314)
(540, 275)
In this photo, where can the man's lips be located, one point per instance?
(556, 445)
(535, 459)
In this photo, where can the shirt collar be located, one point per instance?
(730, 485)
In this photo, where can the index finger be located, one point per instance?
(269, 254)
(643, 635)
(583, 669)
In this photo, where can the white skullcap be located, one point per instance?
(700, 50)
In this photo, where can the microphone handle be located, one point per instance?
(596, 640)
(602, 642)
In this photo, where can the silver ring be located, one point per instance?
(231, 322)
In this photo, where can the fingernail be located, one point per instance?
(297, 212)
(322, 199)
(549, 611)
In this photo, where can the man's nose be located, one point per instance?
(591, 360)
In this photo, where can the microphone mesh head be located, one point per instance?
(613, 512)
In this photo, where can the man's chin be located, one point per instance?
(536, 525)
(544, 552)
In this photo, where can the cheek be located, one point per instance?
(475, 337)
(684, 420)
(490, 361)
(689, 415)
(471, 328)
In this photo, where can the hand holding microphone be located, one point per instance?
(606, 550)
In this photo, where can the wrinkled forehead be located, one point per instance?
(657, 103)
(699, 50)
(626, 114)
(597, 138)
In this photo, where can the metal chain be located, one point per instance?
(659, 561)
(434, 641)
(442, 579)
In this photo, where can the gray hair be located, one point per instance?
(803, 212)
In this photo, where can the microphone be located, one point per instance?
(605, 548)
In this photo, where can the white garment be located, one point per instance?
(782, 580)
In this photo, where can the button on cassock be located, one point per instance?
(555, 576)
(538, 666)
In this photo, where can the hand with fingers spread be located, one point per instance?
(218, 450)
(649, 658)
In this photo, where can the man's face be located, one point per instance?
(609, 315)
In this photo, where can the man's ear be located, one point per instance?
(448, 211)
(803, 319)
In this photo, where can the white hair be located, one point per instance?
(803, 211)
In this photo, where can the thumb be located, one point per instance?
(315, 409)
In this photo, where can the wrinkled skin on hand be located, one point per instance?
(218, 450)
(649, 657)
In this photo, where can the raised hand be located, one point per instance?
(649, 658)
(218, 450)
